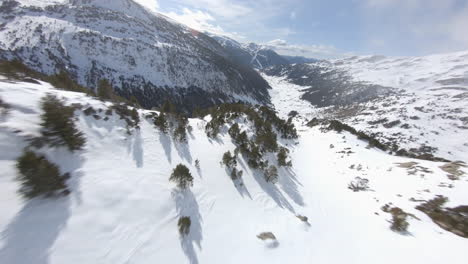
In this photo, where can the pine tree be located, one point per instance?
(282, 157)
(39, 177)
(104, 90)
(181, 176)
(58, 127)
(161, 122)
(229, 160)
(234, 131)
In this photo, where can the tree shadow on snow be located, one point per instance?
(239, 184)
(31, 235)
(166, 144)
(183, 150)
(186, 205)
(289, 184)
(272, 190)
(135, 146)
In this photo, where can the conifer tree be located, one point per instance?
(58, 127)
(39, 177)
(182, 177)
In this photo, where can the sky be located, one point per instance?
(330, 28)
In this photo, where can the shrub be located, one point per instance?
(184, 225)
(359, 184)
(58, 127)
(182, 177)
(271, 174)
(40, 177)
(282, 157)
(128, 114)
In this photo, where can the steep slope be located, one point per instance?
(424, 110)
(250, 54)
(141, 53)
(123, 209)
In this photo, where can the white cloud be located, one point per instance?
(201, 21)
(293, 15)
(152, 5)
(312, 51)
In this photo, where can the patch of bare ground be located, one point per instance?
(453, 169)
(454, 220)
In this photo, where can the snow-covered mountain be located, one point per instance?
(122, 208)
(142, 53)
(251, 54)
(417, 103)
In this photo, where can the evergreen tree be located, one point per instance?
(229, 160)
(234, 131)
(104, 90)
(181, 176)
(161, 122)
(58, 127)
(282, 157)
(168, 107)
(39, 177)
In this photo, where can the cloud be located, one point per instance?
(312, 51)
(152, 5)
(201, 21)
(222, 8)
(292, 15)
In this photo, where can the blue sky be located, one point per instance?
(330, 28)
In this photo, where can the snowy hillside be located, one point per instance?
(142, 53)
(251, 54)
(424, 110)
(123, 209)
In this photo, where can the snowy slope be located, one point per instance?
(250, 54)
(123, 209)
(140, 52)
(426, 110)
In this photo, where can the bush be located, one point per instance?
(58, 127)
(271, 174)
(182, 177)
(40, 177)
(282, 157)
(129, 114)
(184, 225)
(359, 184)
